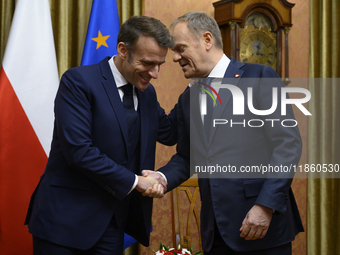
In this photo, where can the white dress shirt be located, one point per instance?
(120, 82)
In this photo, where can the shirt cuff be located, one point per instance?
(134, 184)
(163, 176)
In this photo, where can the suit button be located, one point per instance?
(209, 159)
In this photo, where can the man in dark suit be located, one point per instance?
(107, 122)
(240, 214)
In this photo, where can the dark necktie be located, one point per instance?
(131, 114)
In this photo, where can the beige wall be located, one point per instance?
(298, 68)
(171, 83)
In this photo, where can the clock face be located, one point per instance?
(258, 47)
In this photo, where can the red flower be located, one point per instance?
(169, 253)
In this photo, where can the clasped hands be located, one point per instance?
(151, 184)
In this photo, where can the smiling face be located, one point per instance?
(190, 53)
(144, 64)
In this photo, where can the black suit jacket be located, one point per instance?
(89, 172)
(226, 199)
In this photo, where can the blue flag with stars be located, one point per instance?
(102, 32)
(101, 41)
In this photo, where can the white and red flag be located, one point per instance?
(28, 84)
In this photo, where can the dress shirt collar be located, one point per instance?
(221, 67)
(119, 79)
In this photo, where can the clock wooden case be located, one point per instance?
(256, 31)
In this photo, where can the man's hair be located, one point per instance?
(137, 26)
(198, 23)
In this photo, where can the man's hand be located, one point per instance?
(157, 191)
(256, 222)
(156, 176)
(148, 186)
(144, 183)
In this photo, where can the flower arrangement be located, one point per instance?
(163, 250)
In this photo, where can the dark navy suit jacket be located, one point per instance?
(89, 172)
(225, 198)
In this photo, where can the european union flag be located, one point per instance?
(102, 32)
(101, 41)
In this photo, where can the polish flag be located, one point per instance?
(28, 84)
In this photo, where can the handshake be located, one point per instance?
(151, 184)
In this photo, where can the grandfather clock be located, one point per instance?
(256, 31)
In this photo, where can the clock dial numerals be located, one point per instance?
(258, 47)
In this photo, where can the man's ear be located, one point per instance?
(122, 51)
(207, 40)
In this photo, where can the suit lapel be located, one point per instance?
(113, 95)
(196, 116)
(232, 76)
(143, 111)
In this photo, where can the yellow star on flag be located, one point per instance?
(101, 40)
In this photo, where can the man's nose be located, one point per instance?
(177, 57)
(154, 72)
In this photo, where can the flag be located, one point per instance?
(102, 32)
(28, 84)
(101, 41)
